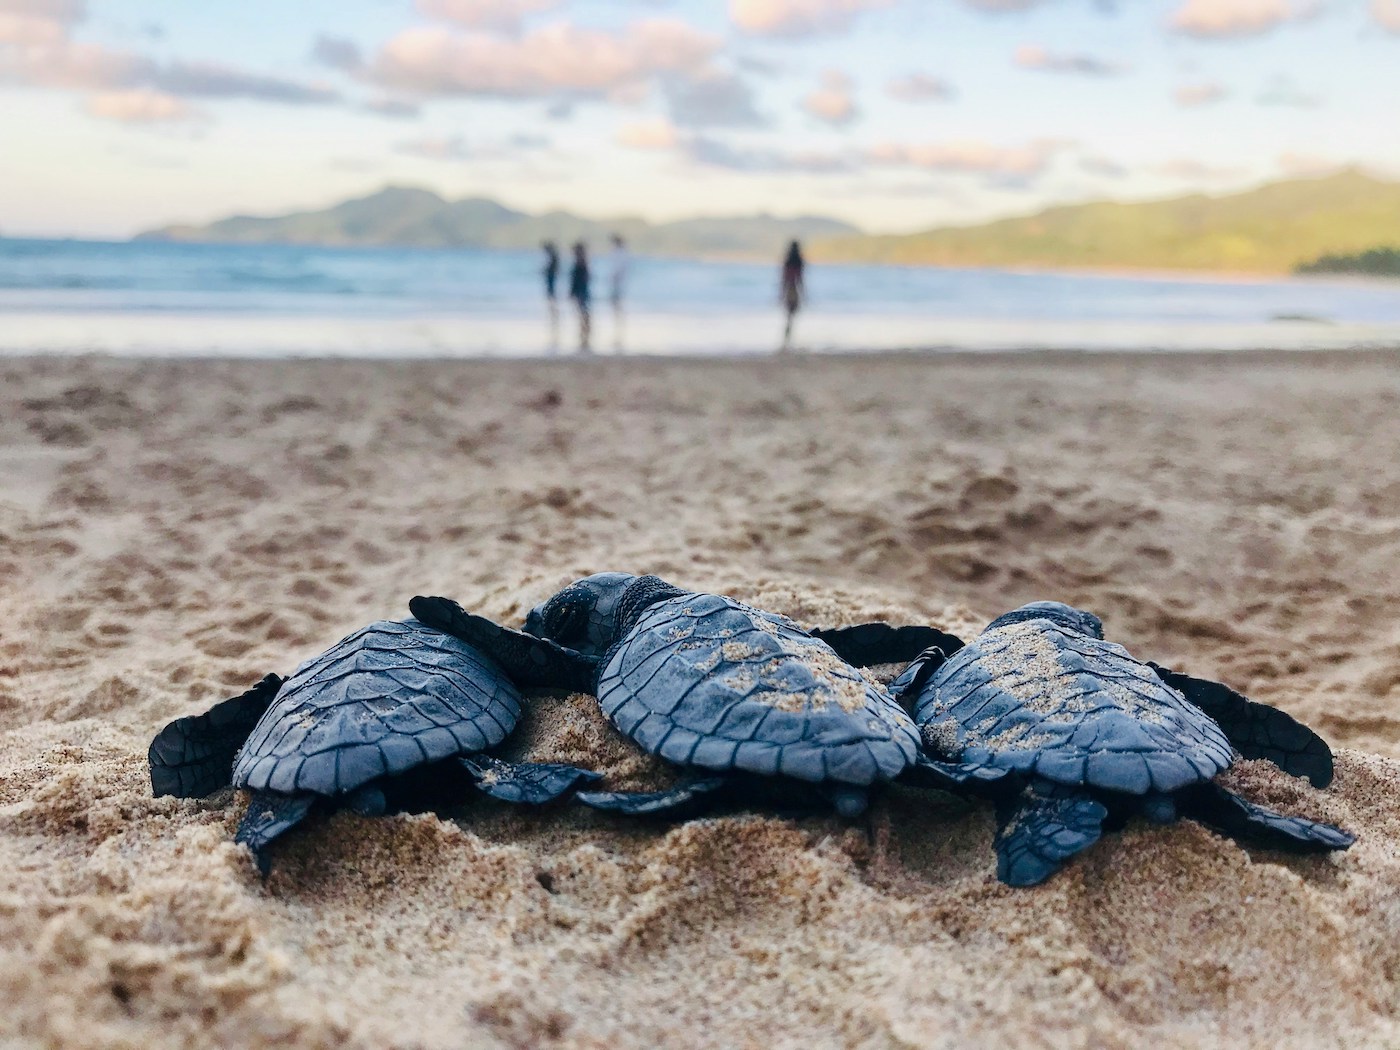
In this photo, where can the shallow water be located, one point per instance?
(184, 299)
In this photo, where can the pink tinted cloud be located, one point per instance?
(553, 59)
(797, 18)
(832, 102)
(1203, 94)
(967, 157)
(1033, 56)
(659, 134)
(1387, 13)
(486, 14)
(919, 87)
(140, 106)
(1232, 18)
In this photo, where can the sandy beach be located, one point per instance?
(170, 531)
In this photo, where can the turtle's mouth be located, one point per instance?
(534, 622)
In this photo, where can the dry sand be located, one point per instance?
(171, 531)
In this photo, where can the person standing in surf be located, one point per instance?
(551, 280)
(793, 289)
(581, 294)
(618, 261)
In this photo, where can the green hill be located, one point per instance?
(1272, 229)
(411, 217)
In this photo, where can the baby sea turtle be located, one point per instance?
(1077, 735)
(354, 725)
(714, 686)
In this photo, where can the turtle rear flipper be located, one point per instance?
(193, 756)
(957, 777)
(1257, 730)
(269, 815)
(531, 783)
(1036, 834)
(686, 797)
(1237, 817)
(866, 644)
(530, 661)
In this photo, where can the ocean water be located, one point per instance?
(180, 299)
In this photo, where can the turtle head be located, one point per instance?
(1059, 613)
(584, 615)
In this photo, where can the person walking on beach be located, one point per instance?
(617, 276)
(551, 280)
(793, 290)
(581, 294)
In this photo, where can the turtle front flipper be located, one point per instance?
(193, 756)
(528, 660)
(867, 644)
(530, 783)
(1041, 828)
(1237, 817)
(684, 798)
(1257, 730)
(269, 815)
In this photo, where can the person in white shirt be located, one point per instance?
(618, 261)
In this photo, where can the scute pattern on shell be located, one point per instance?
(1034, 697)
(706, 681)
(391, 696)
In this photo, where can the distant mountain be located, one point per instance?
(400, 215)
(1272, 229)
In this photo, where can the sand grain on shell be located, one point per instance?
(171, 531)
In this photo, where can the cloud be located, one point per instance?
(393, 108)
(451, 147)
(50, 59)
(716, 154)
(1282, 91)
(458, 148)
(798, 18)
(141, 106)
(711, 99)
(17, 28)
(1033, 56)
(555, 59)
(832, 102)
(1002, 6)
(1387, 13)
(656, 134)
(968, 157)
(338, 53)
(505, 15)
(212, 80)
(919, 87)
(1203, 94)
(1104, 167)
(1208, 19)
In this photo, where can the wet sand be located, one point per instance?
(170, 531)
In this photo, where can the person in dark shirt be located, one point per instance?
(551, 280)
(793, 289)
(551, 268)
(581, 294)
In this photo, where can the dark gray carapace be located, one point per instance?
(358, 726)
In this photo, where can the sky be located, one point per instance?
(121, 115)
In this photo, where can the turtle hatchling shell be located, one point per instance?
(391, 696)
(706, 681)
(1035, 697)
